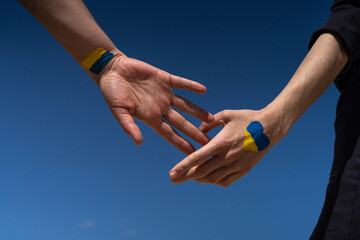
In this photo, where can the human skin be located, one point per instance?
(223, 160)
(131, 88)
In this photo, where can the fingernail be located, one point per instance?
(204, 139)
(174, 174)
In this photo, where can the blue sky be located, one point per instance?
(68, 171)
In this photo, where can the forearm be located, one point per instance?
(73, 26)
(131, 88)
(318, 70)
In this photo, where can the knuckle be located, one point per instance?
(180, 169)
(224, 143)
(152, 116)
(172, 136)
(184, 124)
(211, 179)
(231, 157)
(165, 100)
(212, 152)
(226, 113)
(191, 131)
(223, 140)
(196, 158)
(117, 111)
(195, 134)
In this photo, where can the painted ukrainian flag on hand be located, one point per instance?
(254, 139)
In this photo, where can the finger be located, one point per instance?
(220, 119)
(170, 135)
(230, 179)
(183, 83)
(183, 125)
(216, 175)
(209, 150)
(188, 107)
(202, 169)
(209, 166)
(128, 124)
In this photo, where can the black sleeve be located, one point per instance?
(344, 22)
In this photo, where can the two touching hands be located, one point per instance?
(134, 89)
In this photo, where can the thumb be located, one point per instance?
(127, 123)
(196, 158)
(220, 119)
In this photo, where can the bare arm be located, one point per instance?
(315, 74)
(223, 160)
(73, 26)
(131, 88)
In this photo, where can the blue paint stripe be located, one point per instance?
(101, 63)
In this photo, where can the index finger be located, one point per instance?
(183, 83)
(194, 159)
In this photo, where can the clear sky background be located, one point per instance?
(68, 171)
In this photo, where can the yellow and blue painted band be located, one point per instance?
(97, 60)
(101, 63)
(92, 58)
(254, 139)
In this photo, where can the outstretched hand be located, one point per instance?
(223, 160)
(134, 89)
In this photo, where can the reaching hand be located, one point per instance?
(223, 160)
(133, 88)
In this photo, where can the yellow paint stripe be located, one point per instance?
(249, 143)
(92, 58)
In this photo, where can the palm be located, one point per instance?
(133, 88)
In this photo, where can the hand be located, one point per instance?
(133, 88)
(223, 161)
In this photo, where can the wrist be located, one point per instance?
(97, 77)
(276, 123)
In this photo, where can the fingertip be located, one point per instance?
(209, 118)
(202, 89)
(138, 141)
(205, 116)
(189, 150)
(128, 125)
(136, 135)
(201, 138)
(202, 126)
(206, 140)
(199, 88)
(173, 174)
